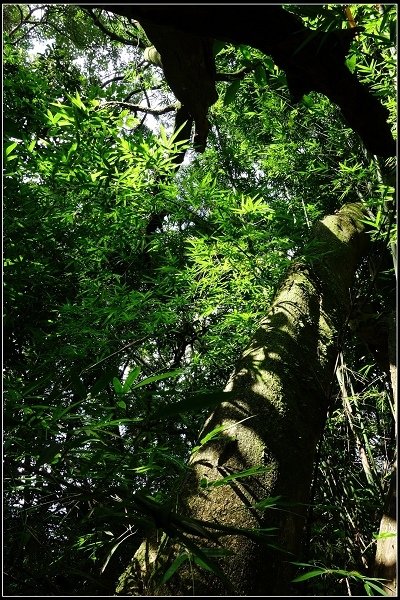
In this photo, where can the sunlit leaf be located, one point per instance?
(10, 148)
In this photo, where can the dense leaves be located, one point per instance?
(130, 287)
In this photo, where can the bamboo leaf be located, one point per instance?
(384, 535)
(246, 473)
(160, 377)
(309, 575)
(10, 148)
(268, 502)
(179, 560)
(260, 75)
(201, 558)
(130, 379)
(368, 585)
(231, 92)
(117, 386)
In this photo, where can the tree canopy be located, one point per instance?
(137, 269)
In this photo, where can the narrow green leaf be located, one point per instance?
(220, 428)
(368, 585)
(346, 573)
(130, 379)
(57, 117)
(384, 535)
(199, 555)
(59, 413)
(267, 502)
(113, 549)
(10, 148)
(154, 378)
(231, 92)
(73, 148)
(246, 473)
(94, 176)
(163, 135)
(204, 565)
(309, 575)
(245, 52)
(117, 386)
(77, 101)
(179, 560)
(115, 422)
(351, 62)
(260, 75)
(307, 101)
(50, 115)
(269, 63)
(301, 564)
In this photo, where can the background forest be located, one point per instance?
(133, 281)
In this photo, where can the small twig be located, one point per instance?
(114, 353)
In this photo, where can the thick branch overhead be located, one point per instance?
(312, 60)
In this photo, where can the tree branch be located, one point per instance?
(114, 36)
(140, 90)
(237, 74)
(148, 110)
(143, 65)
(25, 33)
(19, 25)
(117, 78)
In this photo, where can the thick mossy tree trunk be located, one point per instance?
(273, 418)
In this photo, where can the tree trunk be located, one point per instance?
(386, 549)
(273, 417)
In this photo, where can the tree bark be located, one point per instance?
(312, 60)
(273, 417)
(386, 548)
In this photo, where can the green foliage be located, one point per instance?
(130, 288)
(368, 582)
